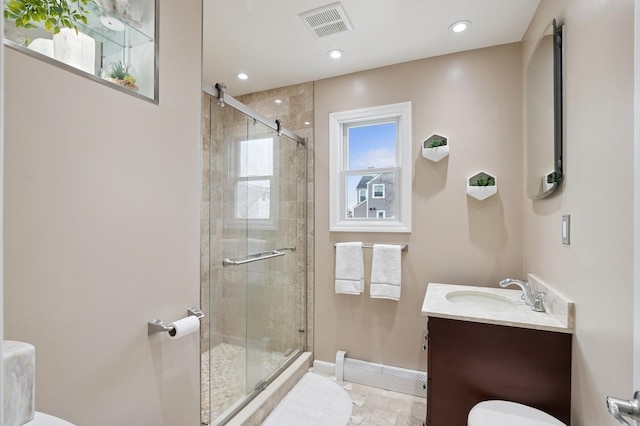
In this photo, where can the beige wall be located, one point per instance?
(474, 98)
(102, 196)
(636, 312)
(596, 270)
(1, 203)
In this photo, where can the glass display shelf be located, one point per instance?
(111, 29)
(106, 39)
(101, 25)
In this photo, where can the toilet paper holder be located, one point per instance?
(157, 326)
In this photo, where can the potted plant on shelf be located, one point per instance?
(550, 181)
(122, 74)
(482, 185)
(55, 14)
(435, 148)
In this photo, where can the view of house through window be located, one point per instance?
(255, 172)
(371, 175)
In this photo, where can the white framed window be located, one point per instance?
(377, 190)
(370, 152)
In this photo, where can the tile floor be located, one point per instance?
(371, 406)
(374, 406)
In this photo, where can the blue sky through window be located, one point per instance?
(372, 146)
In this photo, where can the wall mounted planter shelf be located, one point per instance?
(549, 182)
(482, 185)
(435, 147)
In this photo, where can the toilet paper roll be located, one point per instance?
(184, 326)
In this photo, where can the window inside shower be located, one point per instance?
(254, 178)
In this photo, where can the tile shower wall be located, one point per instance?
(296, 112)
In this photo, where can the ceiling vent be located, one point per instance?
(327, 20)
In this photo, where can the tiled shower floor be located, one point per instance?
(224, 378)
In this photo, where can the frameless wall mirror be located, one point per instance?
(544, 114)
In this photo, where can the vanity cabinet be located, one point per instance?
(470, 362)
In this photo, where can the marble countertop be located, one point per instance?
(559, 315)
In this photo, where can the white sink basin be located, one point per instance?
(498, 306)
(481, 301)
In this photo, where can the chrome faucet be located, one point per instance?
(631, 408)
(527, 294)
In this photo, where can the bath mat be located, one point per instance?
(313, 401)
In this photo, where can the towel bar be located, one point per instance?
(403, 247)
(254, 257)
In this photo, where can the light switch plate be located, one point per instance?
(566, 221)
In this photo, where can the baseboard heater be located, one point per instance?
(411, 382)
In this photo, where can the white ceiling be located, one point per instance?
(267, 39)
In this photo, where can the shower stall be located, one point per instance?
(254, 253)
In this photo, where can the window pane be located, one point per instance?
(372, 145)
(369, 194)
(256, 157)
(253, 199)
(378, 190)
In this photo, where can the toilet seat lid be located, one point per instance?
(42, 419)
(507, 413)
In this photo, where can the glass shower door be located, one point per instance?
(257, 196)
(271, 169)
(257, 250)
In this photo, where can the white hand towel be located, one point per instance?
(349, 268)
(386, 272)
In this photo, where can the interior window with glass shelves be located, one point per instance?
(111, 41)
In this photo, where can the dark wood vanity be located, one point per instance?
(470, 362)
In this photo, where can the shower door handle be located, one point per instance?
(252, 258)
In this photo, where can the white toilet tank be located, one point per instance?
(506, 413)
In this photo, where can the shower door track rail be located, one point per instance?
(218, 92)
(254, 257)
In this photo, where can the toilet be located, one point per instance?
(506, 413)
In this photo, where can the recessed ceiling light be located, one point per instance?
(242, 76)
(335, 53)
(278, 101)
(307, 123)
(460, 26)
